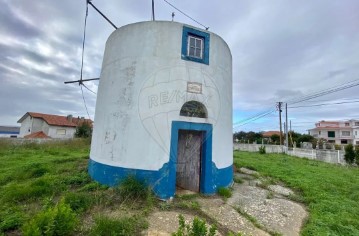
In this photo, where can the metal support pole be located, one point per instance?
(108, 20)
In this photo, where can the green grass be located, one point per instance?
(330, 192)
(224, 192)
(120, 227)
(34, 177)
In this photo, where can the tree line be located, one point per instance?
(257, 137)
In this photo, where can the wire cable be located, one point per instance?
(324, 104)
(83, 42)
(83, 97)
(325, 92)
(82, 60)
(265, 114)
(186, 15)
(251, 117)
(88, 89)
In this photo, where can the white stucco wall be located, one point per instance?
(37, 124)
(26, 124)
(142, 89)
(52, 132)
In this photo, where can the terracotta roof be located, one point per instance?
(270, 133)
(39, 134)
(56, 120)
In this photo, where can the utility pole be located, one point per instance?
(286, 125)
(280, 122)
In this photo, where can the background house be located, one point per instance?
(338, 132)
(38, 125)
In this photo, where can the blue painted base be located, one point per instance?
(162, 183)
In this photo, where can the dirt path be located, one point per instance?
(255, 208)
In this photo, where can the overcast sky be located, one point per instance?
(282, 50)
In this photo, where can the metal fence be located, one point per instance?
(330, 156)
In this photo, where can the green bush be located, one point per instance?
(197, 228)
(349, 155)
(262, 150)
(224, 192)
(58, 220)
(79, 202)
(124, 226)
(84, 130)
(357, 155)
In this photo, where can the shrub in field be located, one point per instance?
(357, 155)
(84, 130)
(262, 150)
(124, 226)
(224, 192)
(196, 228)
(57, 220)
(349, 155)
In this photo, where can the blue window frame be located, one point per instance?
(195, 45)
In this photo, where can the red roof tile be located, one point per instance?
(57, 120)
(270, 133)
(39, 134)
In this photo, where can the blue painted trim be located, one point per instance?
(162, 182)
(206, 182)
(113, 175)
(9, 132)
(206, 39)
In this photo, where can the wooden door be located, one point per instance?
(189, 152)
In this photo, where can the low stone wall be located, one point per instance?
(21, 141)
(330, 156)
(255, 147)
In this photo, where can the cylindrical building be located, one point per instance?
(164, 109)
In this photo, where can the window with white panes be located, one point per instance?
(195, 47)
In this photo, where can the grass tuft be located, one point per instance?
(105, 226)
(224, 192)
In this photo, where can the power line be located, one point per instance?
(256, 118)
(326, 91)
(251, 117)
(324, 104)
(186, 15)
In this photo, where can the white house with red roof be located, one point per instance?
(38, 125)
(338, 132)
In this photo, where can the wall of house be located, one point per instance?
(356, 136)
(37, 125)
(26, 124)
(142, 89)
(69, 132)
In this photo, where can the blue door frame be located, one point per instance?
(206, 178)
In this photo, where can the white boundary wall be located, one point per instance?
(330, 156)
